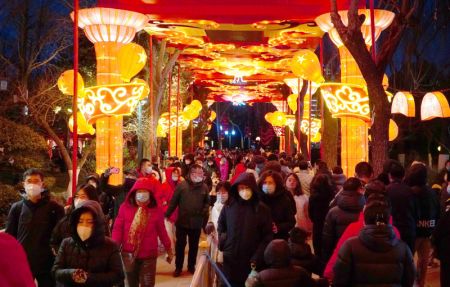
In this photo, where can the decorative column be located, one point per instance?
(349, 100)
(109, 29)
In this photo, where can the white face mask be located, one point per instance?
(245, 194)
(77, 203)
(148, 170)
(222, 197)
(33, 190)
(196, 179)
(142, 196)
(84, 232)
(268, 188)
(175, 177)
(187, 161)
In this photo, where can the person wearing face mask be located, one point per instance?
(191, 197)
(145, 168)
(244, 230)
(173, 178)
(137, 228)
(31, 221)
(273, 194)
(62, 230)
(88, 257)
(188, 161)
(210, 166)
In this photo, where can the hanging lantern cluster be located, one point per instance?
(167, 122)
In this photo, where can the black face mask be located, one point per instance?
(128, 184)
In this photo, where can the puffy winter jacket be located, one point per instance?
(351, 231)
(280, 271)
(167, 189)
(155, 225)
(32, 225)
(441, 238)
(192, 200)
(245, 229)
(374, 258)
(429, 210)
(99, 256)
(301, 255)
(349, 205)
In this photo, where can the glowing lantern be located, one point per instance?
(82, 126)
(403, 103)
(213, 116)
(132, 59)
(393, 130)
(292, 102)
(160, 131)
(434, 105)
(189, 112)
(317, 138)
(305, 64)
(197, 105)
(65, 83)
(385, 82)
(146, 90)
(290, 122)
(268, 117)
(278, 118)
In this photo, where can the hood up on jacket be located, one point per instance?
(248, 180)
(339, 179)
(279, 191)
(277, 254)
(169, 171)
(98, 232)
(351, 201)
(379, 238)
(148, 183)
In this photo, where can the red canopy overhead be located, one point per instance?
(228, 11)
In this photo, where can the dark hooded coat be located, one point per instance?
(99, 255)
(245, 229)
(374, 258)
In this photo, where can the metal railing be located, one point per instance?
(208, 273)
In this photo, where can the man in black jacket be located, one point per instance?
(31, 222)
(404, 205)
(191, 198)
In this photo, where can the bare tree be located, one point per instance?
(374, 69)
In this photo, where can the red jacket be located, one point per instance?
(165, 195)
(155, 227)
(352, 230)
(240, 168)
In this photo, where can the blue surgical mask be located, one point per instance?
(268, 188)
(142, 196)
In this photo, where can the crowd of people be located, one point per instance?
(259, 212)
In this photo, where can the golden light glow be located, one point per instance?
(167, 122)
(276, 118)
(346, 100)
(403, 103)
(393, 130)
(316, 124)
(383, 19)
(354, 143)
(292, 102)
(110, 25)
(290, 122)
(305, 64)
(65, 83)
(82, 126)
(434, 105)
(293, 84)
(213, 116)
(132, 58)
(116, 99)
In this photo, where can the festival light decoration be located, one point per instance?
(109, 29)
(65, 83)
(292, 102)
(213, 116)
(434, 105)
(393, 130)
(83, 126)
(403, 103)
(305, 65)
(132, 58)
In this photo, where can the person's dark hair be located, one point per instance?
(276, 177)
(298, 235)
(33, 171)
(363, 169)
(321, 165)
(303, 165)
(416, 175)
(352, 184)
(272, 165)
(397, 171)
(239, 158)
(195, 166)
(144, 160)
(251, 165)
(95, 178)
(225, 185)
(322, 184)
(298, 190)
(375, 186)
(337, 170)
(377, 212)
(159, 174)
(131, 172)
(90, 191)
(272, 157)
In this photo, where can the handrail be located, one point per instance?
(201, 275)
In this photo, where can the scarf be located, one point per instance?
(137, 228)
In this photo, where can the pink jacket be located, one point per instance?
(155, 226)
(351, 231)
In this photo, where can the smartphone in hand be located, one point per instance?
(114, 170)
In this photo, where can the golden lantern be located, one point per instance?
(213, 116)
(434, 105)
(317, 138)
(306, 65)
(82, 126)
(403, 103)
(292, 102)
(132, 59)
(190, 112)
(393, 130)
(197, 105)
(65, 83)
(160, 131)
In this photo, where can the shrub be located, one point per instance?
(8, 195)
